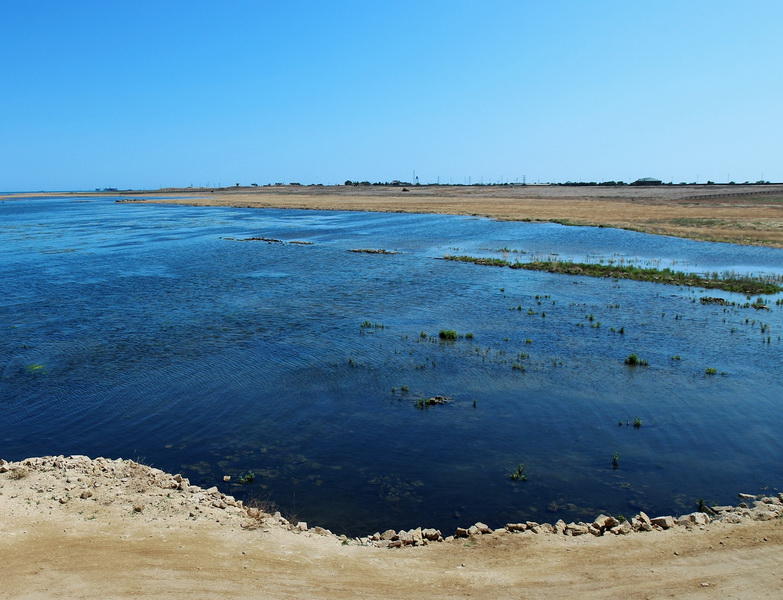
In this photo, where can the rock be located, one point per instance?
(760, 514)
(320, 531)
(226, 477)
(746, 496)
(395, 544)
(576, 529)
(432, 535)
(85, 494)
(560, 526)
(63, 499)
(666, 522)
(301, 526)
(604, 522)
(389, 534)
(731, 517)
(694, 518)
(516, 526)
(483, 528)
(642, 516)
(461, 532)
(405, 537)
(531, 524)
(623, 528)
(473, 530)
(596, 531)
(253, 513)
(641, 525)
(721, 509)
(771, 500)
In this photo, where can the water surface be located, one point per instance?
(139, 331)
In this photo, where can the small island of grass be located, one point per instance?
(733, 283)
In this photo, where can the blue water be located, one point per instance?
(139, 331)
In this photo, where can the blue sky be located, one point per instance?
(149, 94)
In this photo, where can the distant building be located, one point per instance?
(647, 181)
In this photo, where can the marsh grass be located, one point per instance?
(248, 477)
(731, 282)
(634, 361)
(372, 251)
(518, 474)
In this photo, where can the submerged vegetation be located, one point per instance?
(730, 282)
(423, 403)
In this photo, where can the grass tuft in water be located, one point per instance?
(518, 474)
(248, 477)
(634, 361)
(616, 460)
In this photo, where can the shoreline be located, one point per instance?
(739, 214)
(76, 520)
(101, 471)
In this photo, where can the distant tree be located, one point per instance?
(236, 185)
(348, 182)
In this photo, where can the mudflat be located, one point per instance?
(740, 214)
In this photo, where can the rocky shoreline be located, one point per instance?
(51, 481)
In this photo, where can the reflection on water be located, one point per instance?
(135, 330)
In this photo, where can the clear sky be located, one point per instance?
(168, 93)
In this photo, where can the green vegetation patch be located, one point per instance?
(735, 283)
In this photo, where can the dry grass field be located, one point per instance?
(738, 214)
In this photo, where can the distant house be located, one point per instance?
(647, 181)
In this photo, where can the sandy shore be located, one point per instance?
(81, 528)
(729, 213)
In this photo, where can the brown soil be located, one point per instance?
(730, 213)
(136, 535)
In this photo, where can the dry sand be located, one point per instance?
(729, 213)
(136, 535)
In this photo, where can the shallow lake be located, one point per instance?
(141, 331)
